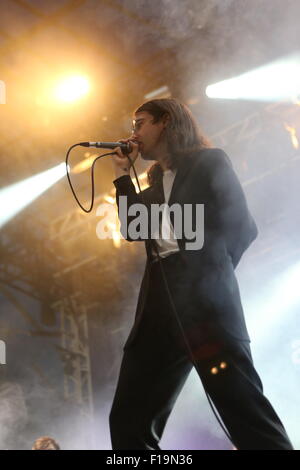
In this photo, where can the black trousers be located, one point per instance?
(155, 367)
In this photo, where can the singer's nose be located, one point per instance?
(134, 132)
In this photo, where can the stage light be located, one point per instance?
(16, 197)
(162, 92)
(71, 89)
(277, 81)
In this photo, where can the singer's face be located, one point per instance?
(148, 135)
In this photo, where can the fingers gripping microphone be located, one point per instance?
(125, 147)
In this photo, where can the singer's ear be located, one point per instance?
(165, 119)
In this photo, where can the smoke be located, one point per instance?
(192, 424)
(165, 23)
(13, 414)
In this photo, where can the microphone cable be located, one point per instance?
(92, 178)
(154, 245)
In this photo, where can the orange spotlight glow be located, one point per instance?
(116, 235)
(71, 89)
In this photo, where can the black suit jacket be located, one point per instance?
(204, 177)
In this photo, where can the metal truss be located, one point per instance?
(75, 356)
(251, 126)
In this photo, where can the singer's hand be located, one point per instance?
(120, 160)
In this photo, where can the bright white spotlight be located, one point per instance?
(19, 195)
(72, 88)
(277, 81)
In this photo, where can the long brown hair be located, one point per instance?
(182, 132)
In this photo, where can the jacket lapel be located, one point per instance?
(157, 196)
(183, 169)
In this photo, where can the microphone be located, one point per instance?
(125, 147)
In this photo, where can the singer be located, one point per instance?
(189, 312)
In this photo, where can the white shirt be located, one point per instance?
(167, 243)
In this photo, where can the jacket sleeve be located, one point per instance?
(125, 187)
(231, 206)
